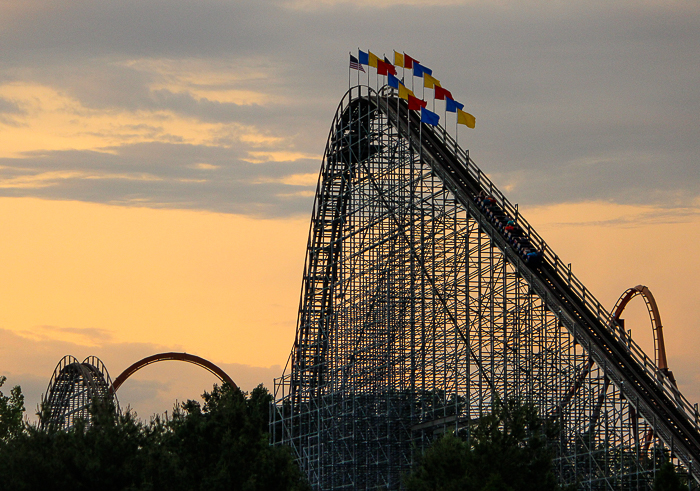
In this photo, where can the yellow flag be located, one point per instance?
(466, 118)
(429, 81)
(398, 59)
(404, 92)
(372, 59)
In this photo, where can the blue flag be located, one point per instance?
(451, 105)
(393, 81)
(363, 57)
(428, 117)
(419, 70)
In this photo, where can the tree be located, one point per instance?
(506, 450)
(667, 478)
(225, 444)
(11, 412)
(222, 445)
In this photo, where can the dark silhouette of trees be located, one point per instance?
(11, 412)
(668, 478)
(506, 450)
(220, 445)
(223, 444)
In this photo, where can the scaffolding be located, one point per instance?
(416, 314)
(73, 387)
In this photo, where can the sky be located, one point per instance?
(158, 161)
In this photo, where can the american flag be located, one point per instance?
(355, 65)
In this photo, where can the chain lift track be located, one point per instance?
(417, 311)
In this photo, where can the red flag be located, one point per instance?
(440, 93)
(408, 61)
(390, 68)
(415, 103)
(382, 67)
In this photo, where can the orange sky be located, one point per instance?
(118, 120)
(122, 283)
(219, 285)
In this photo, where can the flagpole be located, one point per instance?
(456, 131)
(368, 68)
(408, 129)
(445, 120)
(349, 72)
(368, 72)
(387, 92)
(403, 69)
(420, 142)
(384, 77)
(398, 111)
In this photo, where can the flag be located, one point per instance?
(364, 57)
(419, 70)
(373, 59)
(466, 119)
(394, 82)
(415, 103)
(354, 64)
(428, 117)
(404, 92)
(408, 61)
(429, 81)
(398, 59)
(441, 93)
(390, 66)
(382, 67)
(451, 105)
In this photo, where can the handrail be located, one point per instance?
(576, 287)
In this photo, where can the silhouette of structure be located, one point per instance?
(72, 389)
(419, 309)
(654, 317)
(196, 360)
(74, 386)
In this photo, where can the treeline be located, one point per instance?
(509, 450)
(220, 445)
(224, 445)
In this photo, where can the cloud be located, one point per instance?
(9, 107)
(574, 102)
(9, 110)
(167, 175)
(85, 336)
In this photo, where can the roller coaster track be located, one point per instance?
(171, 356)
(643, 383)
(423, 304)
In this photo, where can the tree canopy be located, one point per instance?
(219, 445)
(223, 444)
(506, 450)
(11, 412)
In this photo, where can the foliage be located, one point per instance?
(222, 445)
(667, 478)
(506, 450)
(11, 412)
